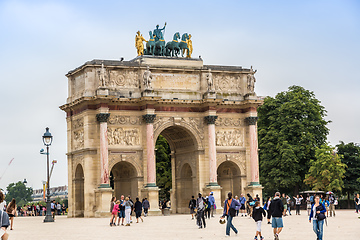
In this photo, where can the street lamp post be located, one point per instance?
(47, 139)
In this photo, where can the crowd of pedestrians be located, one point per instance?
(275, 209)
(124, 208)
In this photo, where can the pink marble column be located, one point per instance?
(212, 149)
(254, 158)
(150, 150)
(104, 154)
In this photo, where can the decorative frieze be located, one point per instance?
(122, 120)
(228, 122)
(231, 137)
(123, 137)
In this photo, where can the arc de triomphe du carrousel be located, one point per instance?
(116, 110)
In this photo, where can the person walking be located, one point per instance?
(11, 211)
(212, 203)
(267, 207)
(128, 206)
(112, 205)
(277, 209)
(146, 206)
(250, 204)
(2, 201)
(327, 205)
(332, 206)
(58, 208)
(138, 210)
(200, 206)
(298, 203)
(284, 201)
(242, 205)
(121, 214)
(207, 208)
(229, 211)
(237, 207)
(192, 206)
(53, 209)
(114, 213)
(318, 215)
(288, 202)
(257, 215)
(63, 209)
(4, 224)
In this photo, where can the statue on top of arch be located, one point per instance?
(156, 45)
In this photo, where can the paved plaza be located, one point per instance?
(344, 226)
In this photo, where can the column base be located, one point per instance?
(103, 197)
(152, 194)
(216, 189)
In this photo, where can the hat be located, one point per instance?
(211, 193)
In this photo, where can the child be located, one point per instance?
(257, 215)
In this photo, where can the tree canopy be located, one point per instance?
(290, 127)
(326, 171)
(20, 192)
(163, 167)
(350, 155)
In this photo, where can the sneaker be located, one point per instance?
(255, 238)
(200, 227)
(269, 222)
(111, 224)
(261, 238)
(276, 236)
(227, 235)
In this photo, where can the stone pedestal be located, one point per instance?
(102, 91)
(103, 197)
(255, 189)
(217, 195)
(210, 95)
(153, 198)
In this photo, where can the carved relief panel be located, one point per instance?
(78, 139)
(230, 137)
(124, 136)
(120, 120)
(123, 79)
(227, 83)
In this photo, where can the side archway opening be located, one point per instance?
(229, 178)
(79, 191)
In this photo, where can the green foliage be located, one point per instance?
(350, 155)
(163, 167)
(326, 171)
(290, 127)
(20, 192)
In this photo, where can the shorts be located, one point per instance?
(192, 210)
(242, 207)
(277, 222)
(285, 206)
(138, 214)
(11, 215)
(121, 214)
(258, 226)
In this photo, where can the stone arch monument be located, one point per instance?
(115, 111)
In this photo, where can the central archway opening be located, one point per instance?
(176, 158)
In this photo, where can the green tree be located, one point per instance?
(326, 171)
(290, 127)
(163, 167)
(20, 192)
(350, 155)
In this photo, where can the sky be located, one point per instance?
(314, 44)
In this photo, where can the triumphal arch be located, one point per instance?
(117, 109)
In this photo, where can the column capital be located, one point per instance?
(149, 118)
(102, 117)
(251, 120)
(210, 119)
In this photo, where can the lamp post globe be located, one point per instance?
(47, 140)
(47, 137)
